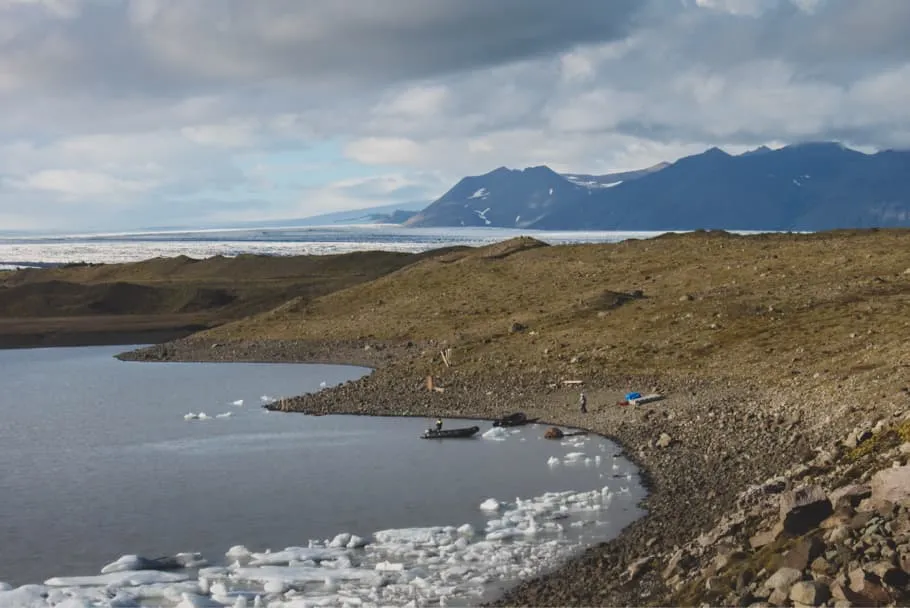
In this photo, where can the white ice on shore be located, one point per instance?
(437, 565)
(496, 433)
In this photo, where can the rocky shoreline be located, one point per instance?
(719, 461)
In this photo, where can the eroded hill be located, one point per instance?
(798, 310)
(168, 297)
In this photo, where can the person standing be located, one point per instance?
(583, 403)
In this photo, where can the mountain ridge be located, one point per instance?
(804, 186)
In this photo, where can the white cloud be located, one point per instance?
(384, 151)
(234, 134)
(78, 185)
(64, 9)
(177, 108)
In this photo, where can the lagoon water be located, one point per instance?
(97, 461)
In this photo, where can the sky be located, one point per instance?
(127, 114)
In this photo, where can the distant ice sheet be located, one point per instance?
(117, 248)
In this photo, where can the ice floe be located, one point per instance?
(496, 433)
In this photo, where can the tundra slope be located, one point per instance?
(771, 349)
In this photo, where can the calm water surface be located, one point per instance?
(96, 461)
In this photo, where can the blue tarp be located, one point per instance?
(630, 396)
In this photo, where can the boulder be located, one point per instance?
(851, 494)
(803, 509)
(868, 587)
(891, 485)
(803, 552)
(553, 433)
(766, 537)
(810, 593)
(783, 579)
(664, 441)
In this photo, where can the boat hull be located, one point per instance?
(516, 419)
(463, 433)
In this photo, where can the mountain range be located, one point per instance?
(809, 186)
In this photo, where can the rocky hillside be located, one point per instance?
(811, 187)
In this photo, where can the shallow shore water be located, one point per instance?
(442, 559)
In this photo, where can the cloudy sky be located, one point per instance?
(118, 114)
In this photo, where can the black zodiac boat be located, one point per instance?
(516, 419)
(462, 433)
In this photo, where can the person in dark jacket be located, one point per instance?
(583, 403)
(439, 424)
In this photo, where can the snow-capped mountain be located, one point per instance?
(811, 186)
(509, 198)
(502, 198)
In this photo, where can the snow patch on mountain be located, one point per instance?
(590, 181)
(481, 193)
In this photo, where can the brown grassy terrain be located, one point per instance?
(167, 297)
(799, 311)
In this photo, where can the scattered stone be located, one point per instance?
(664, 441)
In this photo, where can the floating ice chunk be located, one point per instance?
(357, 542)
(224, 415)
(299, 575)
(597, 460)
(190, 416)
(490, 504)
(194, 600)
(323, 384)
(203, 416)
(238, 402)
(574, 457)
(496, 433)
(266, 399)
(340, 540)
(389, 567)
(434, 536)
(238, 552)
(466, 530)
(553, 461)
(179, 561)
(118, 579)
(26, 596)
(296, 554)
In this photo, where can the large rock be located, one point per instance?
(868, 587)
(803, 552)
(783, 579)
(766, 537)
(810, 593)
(803, 509)
(851, 494)
(891, 485)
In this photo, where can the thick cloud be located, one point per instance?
(123, 112)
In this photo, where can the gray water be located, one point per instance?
(97, 461)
